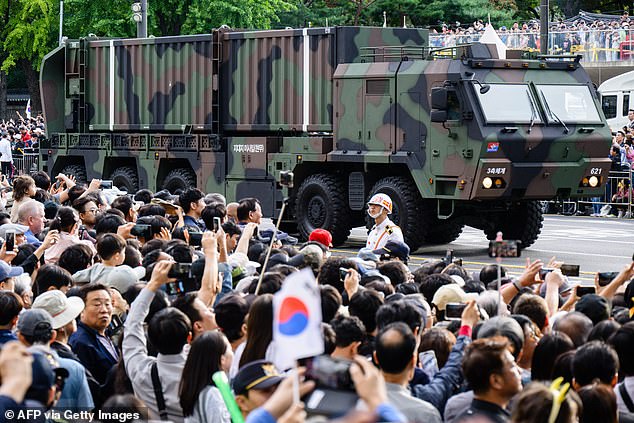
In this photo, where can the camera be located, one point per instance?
(185, 283)
(216, 224)
(606, 277)
(543, 272)
(105, 184)
(142, 231)
(343, 272)
(453, 311)
(195, 239)
(585, 289)
(115, 324)
(328, 372)
(286, 178)
(506, 248)
(570, 269)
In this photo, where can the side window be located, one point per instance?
(626, 104)
(608, 104)
(453, 106)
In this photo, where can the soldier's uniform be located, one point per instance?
(382, 233)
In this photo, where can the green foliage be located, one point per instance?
(104, 18)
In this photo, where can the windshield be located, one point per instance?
(508, 103)
(570, 103)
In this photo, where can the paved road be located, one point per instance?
(596, 244)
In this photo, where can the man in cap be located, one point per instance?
(7, 273)
(384, 230)
(321, 236)
(393, 250)
(64, 311)
(35, 330)
(254, 384)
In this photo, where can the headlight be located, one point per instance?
(593, 181)
(487, 182)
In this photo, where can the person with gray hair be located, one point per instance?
(31, 214)
(214, 197)
(22, 287)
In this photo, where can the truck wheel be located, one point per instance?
(179, 179)
(523, 222)
(125, 179)
(443, 231)
(407, 209)
(321, 203)
(78, 171)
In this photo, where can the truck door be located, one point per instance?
(448, 144)
(378, 133)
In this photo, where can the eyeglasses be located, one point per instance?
(93, 211)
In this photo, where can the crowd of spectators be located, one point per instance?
(133, 302)
(597, 39)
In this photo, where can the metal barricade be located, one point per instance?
(25, 162)
(617, 195)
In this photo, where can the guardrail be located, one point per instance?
(594, 45)
(25, 161)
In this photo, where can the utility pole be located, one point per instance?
(61, 22)
(543, 27)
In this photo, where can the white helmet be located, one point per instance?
(382, 200)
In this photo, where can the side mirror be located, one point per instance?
(438, 116)
(439, 98)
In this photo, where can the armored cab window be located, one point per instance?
(570, 103)
(626, 104)
(608, 104)
(508, 103)
(453, 106)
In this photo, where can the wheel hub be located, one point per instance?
(317, 212)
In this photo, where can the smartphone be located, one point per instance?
(506, 248)
(180, 270)
(343, 272)
(195, 239)
(105, 184)
(544, 271)
(453, 311)
(448, 256)
(570, 269)
(330, 372)
(143, 231)
(216, 224)
(115, 324)
(606, 277)
(9, 239)
(585, 289)
(181, 287)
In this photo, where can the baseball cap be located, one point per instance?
(451, 293)
(394, 249)
(63, 310)
(18, 229)
(260, 374)
(33, 320)
(322, 236)
(594, 306)
(313, 256)
(46, 371)
(7, 271)
(123, 278)
(367, 254)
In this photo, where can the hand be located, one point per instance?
(4, 182)
(295, 414)
(5, 255)
(94, 185)
(553, 263)
(530, 273)
(351, 282)
(160, 275)
(555, 278)
(124, 230)
(52, 237)
(249, 229)
(15, 370)
(470, 314)
(368, 383)
(165, 234)
(210, 243)
(282, 398)
(221, 239)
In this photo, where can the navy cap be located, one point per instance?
(260, 374)
(396, 249)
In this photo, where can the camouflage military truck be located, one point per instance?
(456, 137)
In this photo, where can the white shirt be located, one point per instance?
(382, 233)
(5, 149)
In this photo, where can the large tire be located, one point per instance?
(126, 179)
(523, 222)
(179, 179)
(408, 210)
(78, 171)
(443, 231)
(321, 203)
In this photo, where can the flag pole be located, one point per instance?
(295, 376)
(268, 253)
